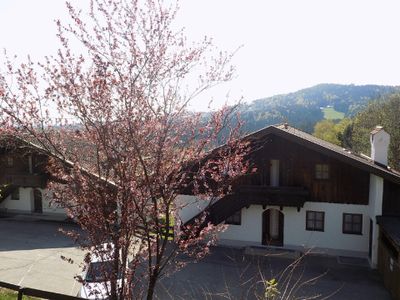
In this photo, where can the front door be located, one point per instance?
(37, 201)
(272, 231)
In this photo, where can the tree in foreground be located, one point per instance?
(122, 143)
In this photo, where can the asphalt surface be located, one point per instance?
(31, 251)
(31, 256)
(229, 274)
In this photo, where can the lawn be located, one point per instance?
(331, 114)
(6, 294)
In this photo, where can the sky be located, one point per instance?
(285, 45)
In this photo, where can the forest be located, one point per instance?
(353, 132)
(304, 108)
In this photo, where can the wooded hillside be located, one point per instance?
(304, 108)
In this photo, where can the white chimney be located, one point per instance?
(380, 140)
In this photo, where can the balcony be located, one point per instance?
(268, 195)
(24, 180)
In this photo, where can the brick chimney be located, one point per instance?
(380, 140)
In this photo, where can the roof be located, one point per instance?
(307, 140)
(87, 163)
(376, 130)
(329, 149)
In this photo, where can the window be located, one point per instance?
(352, 223)
(235, 219)
(15, 194)
(315, 220)
(322, 171)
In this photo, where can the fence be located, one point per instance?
(24, 291)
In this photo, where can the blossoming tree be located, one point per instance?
(121, 141)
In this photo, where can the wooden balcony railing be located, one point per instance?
(24, 180)
(246, 195)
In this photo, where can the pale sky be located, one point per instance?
(287, 44)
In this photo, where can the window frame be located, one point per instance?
(352, 231)
(235, 218)
(314, 220)
(323, 173)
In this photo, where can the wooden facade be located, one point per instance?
(345, 183)
(21, 168)
(391, 199)
(297, 168)
(389, 263)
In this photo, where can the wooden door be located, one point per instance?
(272, 231)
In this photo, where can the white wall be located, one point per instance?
(332, 237)
(376, 185)
(189, 206)
(380, 141)
(251, 228)
(25, 203)
(49, 207)
(294, 227)
(375, 195)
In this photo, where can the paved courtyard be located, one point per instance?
(229, 274)
(30, 256)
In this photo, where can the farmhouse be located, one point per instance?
(23, 179)
(306, 193)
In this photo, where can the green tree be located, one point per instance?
(325, 130)
(331, 131)
(385, 112)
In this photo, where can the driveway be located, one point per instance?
(31, 251)
(30, 255)
(229, 274)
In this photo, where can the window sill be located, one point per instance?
(353, 233)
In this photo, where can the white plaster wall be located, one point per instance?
(379, 146)
(332, 237)
(24, 203)
(49, 207)
(375, 195)
(189, 206)
(251, 228)
(295, 234)
(376, 185)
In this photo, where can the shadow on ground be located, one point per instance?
(229, 274)
(20, 235)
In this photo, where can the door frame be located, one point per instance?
(265, 239)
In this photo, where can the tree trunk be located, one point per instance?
(150, 290)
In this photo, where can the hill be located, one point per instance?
(302, 109)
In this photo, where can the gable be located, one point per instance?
(297, 168)
(308, 141)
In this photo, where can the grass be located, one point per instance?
(331, 114)
(6, 294)
(171, 224)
